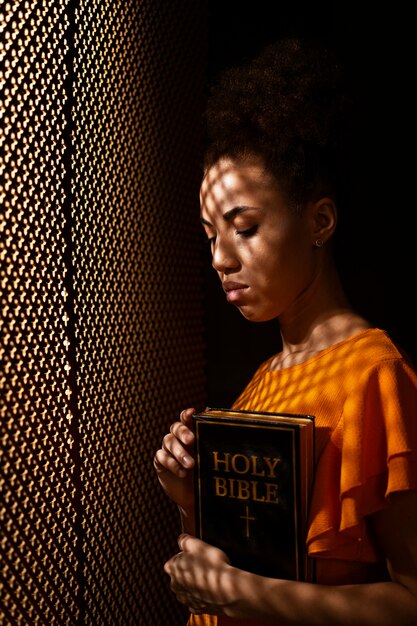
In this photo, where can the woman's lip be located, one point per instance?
(233, 295)
(234, 290)
(229, 285)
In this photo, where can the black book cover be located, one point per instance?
(253, 478)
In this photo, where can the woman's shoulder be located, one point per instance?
(376, 345)
(375, 361)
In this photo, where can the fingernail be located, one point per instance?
(187, 459)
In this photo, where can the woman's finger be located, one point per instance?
(172, 445)
(166, 462)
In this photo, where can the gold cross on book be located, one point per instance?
(248, 519)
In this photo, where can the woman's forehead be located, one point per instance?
(227, 167)
(228, 180)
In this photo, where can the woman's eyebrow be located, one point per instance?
(231, 213)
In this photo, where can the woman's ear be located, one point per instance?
(324, 220)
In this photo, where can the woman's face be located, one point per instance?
(262, 251)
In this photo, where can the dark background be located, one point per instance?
(376, 238)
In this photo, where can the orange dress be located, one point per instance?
(363, 394)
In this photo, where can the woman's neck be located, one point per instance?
(319, 322)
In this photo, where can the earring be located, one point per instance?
(319, 243)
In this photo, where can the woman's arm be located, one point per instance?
(203, 579)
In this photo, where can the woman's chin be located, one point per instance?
(253, 315)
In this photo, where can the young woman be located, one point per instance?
(270, 195)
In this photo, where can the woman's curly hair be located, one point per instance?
(289, 106)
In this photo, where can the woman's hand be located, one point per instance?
(201, 576)
(174, 463)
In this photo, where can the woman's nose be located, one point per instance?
(223, 256)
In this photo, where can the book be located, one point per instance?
(253, 479)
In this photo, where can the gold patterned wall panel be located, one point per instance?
(39, 539)
(102, 335)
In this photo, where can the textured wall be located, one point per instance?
(101, 301)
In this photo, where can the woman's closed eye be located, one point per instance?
(243, 232)
(248, 232)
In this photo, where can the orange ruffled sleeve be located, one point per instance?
(372, 453)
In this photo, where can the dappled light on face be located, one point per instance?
(214, 189)
(252, 234)
(229, 179)
(222, 191)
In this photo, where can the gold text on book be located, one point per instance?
(242, 464)
(242, 489)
